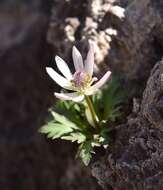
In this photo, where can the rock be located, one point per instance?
(25, 94)
(134, 162)
(23, 55)
(89, 17)
(152, 103)
(40, 164)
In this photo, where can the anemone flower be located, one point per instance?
(81, 83)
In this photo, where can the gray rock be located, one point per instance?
(23, 55)
(152, 103)
(134, 161)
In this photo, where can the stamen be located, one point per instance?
(81, 79)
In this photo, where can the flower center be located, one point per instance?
(81, 79)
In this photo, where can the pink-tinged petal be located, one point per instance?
(93, 89)
(74, 96)
(77, 59)
(103, 80)
(89, 62)
(61, 81)
(62, 66)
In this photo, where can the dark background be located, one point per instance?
(27, 159)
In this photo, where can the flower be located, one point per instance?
(81, 82)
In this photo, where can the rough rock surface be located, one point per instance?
(152, 103)
(127, 34)
(136, 163)
(135, 160)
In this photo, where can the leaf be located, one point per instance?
(58, 127)
(74, 112)
(84, 152)
(63, 120)
(76, 136)
(115, 114)
(55, 130)
(113, 96)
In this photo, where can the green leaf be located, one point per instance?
(84, 152)
(113, 96)
(74, 112)
(63, 120)
(55, 130)
(58, 127)
(76, 136)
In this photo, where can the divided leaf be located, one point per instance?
(58, 127)
(84, 152)
(112, 97)
(74, 112)
(55, 130)
(76, 136)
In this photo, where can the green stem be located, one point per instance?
(92, 110)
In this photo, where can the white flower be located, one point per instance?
(81, 82)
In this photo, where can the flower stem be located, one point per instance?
(92, 111)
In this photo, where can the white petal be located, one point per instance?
(62, 66)
(89, 62)
(61, 81)
(93, 89)
(74, 96)
(77, 59)
(90, 91)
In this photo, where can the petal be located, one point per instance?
(93, 89)
(61, 81)
(77, 59)
(62, 66)
(74, 96)
(89, 62)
